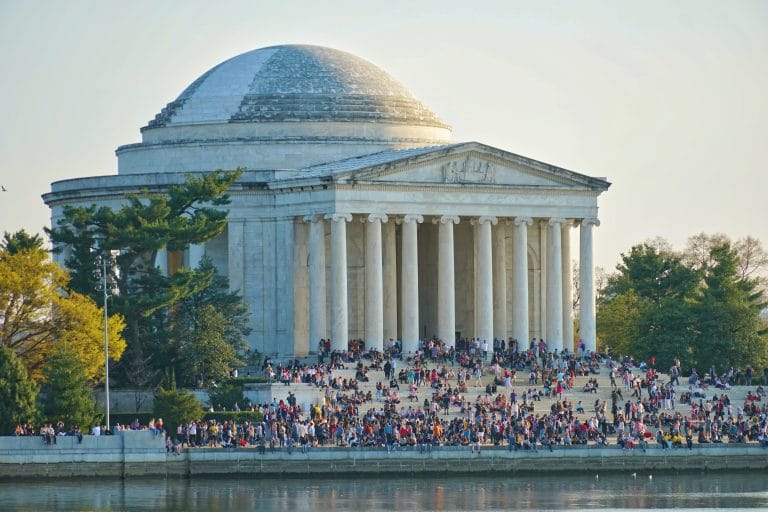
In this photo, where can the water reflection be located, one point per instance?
(691, 491)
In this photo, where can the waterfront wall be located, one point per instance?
(132, 453)
(142, 454)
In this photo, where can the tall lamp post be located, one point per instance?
(107, 285)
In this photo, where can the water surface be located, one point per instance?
(692, 491)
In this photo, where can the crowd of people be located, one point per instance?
(479, 396)
(643, 407)
(49, 431)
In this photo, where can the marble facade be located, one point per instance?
(468, 258)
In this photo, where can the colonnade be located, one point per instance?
(490, 280)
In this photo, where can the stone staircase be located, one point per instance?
(737, 394)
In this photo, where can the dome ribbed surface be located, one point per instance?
(295, 83)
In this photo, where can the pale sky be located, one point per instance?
(666, 99)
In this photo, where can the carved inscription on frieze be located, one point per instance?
(468, 171)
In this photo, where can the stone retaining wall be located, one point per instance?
(137, 454)
(132, 453)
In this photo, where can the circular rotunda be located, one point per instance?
(357, 217)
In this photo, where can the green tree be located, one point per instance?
(230, 303)
(702, 306)
(698, 247)
(728, 315)
(665, 331)
(227, 395)
(183, 215)
(645, 308)
(68, 395)
(205, 354)
(175, 406)
(21, 241)
(652, 275)
(17, 393)
(618, 323)
(752, 257)
(203, 324)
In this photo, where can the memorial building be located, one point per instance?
(358, 217)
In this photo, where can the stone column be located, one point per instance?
(317, 311)
(374, 285)
(446, 281)
(555, 286)
(543, 276)
(300, 327)
(390, 279)
(520, 329)
(484, 279)
(565, 239)
(500, 281)
(195, 253)
(587, 325)
(282, 262)
(339, 309)
(410, 283)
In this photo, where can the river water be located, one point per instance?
(692, 491)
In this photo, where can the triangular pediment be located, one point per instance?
(471, 169)
(471, 164)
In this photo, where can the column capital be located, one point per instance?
(569, 223)
(339, 217)
(445, 219)
(411, 217)
(522, 220)
(487, 218)
(377, 217)
(590, 221)
(556, 220)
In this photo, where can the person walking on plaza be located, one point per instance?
(478, 375)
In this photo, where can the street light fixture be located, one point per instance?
(107, 284)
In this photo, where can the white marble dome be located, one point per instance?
(283, 107)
